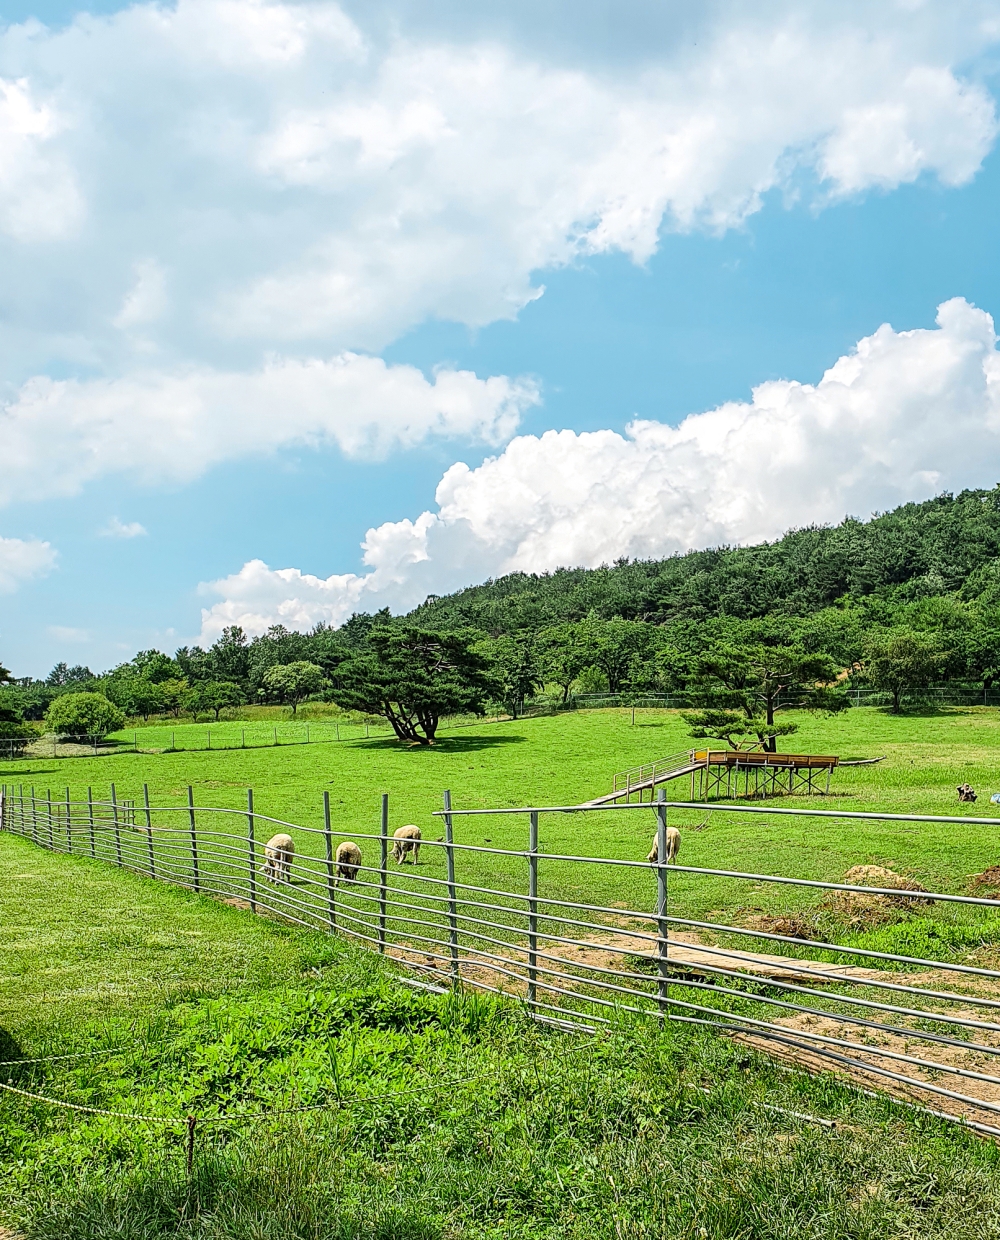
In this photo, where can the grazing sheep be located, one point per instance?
(673, 846)
(966, 793)
(404, 840)
(278, 853)
(348, 860)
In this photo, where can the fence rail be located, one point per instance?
(513, 921)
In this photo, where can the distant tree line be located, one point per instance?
(905, 600)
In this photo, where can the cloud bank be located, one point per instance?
(193, 184)
(158, 427)
(904, 416)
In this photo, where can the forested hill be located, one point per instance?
(946, 545)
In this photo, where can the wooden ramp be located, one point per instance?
(650, 782)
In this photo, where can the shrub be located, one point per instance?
(16, 729)
(84, 714)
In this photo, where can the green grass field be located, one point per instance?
(569, 758)
(478, 1124)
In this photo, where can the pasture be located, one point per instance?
(562, 760)
(477, 1122)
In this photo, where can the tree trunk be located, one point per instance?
(896, 694)
(399, 723)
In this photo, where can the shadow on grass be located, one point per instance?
(443, 744)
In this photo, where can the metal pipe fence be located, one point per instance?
(516, 921)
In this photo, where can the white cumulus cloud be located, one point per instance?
(23, 559)
(906, 415)
(231, 176)
(159, 426)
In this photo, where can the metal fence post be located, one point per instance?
(532, 906)
(384, 871)
(251, 850)
(34, 817)
(194, 840)
(69, 834)
(48, 815)
(149, 830)
(331, 886)
(118, 830)
(452, 903)
(90, 821)
(663, 986)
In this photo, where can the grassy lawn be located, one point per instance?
(479, 1124)
(570, 758)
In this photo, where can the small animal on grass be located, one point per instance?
(404, 840)
(673, 846)
(278, 853)
(348, 860)
(966, 792)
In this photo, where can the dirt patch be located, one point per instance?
(979, 1098)
(859, 910)
(990, 878)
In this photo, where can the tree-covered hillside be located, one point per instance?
(947, 545)
(905, 600)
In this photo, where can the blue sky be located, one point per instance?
(274, 273)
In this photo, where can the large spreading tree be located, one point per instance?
(411, 678)
(762, 668)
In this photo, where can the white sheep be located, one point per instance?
(278, 853)
(404, 840)
(348, 860)
(673, 846)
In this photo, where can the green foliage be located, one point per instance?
(64, 677)
(947, 545)
(16, 729)
(135, 695)
(292, 682)
(899, 659)
(412, 678)
(737, 729)
(84, 714)
(214, 695)
(515, 669)
(154, 666)
(562, 653)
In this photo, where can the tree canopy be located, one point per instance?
(412, 677)
(752, 629)
(290, 683)
(84, 714)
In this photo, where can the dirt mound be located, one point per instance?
(990, 878)
(863, 910)
(791, 927)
